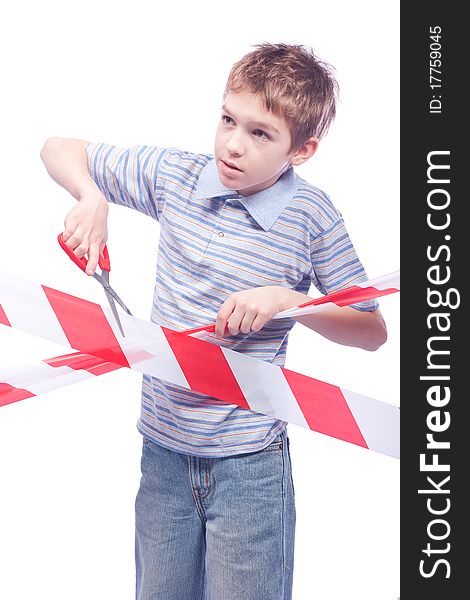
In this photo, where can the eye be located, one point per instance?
(262, 135)
(226, 120)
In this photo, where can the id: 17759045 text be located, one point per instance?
(435, 72)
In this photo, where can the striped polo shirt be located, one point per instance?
(214, 242)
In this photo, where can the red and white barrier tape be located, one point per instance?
(27, 381)
(373, 288)
(190, 363)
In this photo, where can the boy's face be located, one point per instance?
(252, 145)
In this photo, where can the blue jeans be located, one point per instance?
(215, 528)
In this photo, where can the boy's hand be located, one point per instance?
(86, 229)
(251, 309)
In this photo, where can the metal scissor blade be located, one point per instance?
(114, 310)
(104, 280)
(112, 293)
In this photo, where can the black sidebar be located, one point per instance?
(434, 301)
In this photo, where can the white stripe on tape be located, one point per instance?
(27, 308)
(146, 348)
(277, 396)
(379, 422)
(43, 378)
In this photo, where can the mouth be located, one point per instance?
(230, 166)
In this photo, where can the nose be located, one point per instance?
(234, 144)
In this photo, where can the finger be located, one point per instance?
(260, 321)
(70, 226)
(67, 233)
(235, 320)
(247, 321)
(223, 315)
(71, 237)
(93, 257)
(81, 249)
(75, 238)
(102, 245)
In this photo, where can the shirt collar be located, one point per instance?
(265, 206)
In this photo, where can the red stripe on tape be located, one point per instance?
(10, 394)
(205, 368)
(86, 327)
(350, 295)
(82, 362)
(324, 407)
(3, 317)
(363, 294)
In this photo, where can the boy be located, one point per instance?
(242, 237)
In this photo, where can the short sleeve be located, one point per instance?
(335, 264)
(128, 176)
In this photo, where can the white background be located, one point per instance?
(153, 73)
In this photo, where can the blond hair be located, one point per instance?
(293, 84)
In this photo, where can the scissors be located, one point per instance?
(103, 278)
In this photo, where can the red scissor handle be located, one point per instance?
(103, 261)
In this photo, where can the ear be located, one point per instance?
(306, 150)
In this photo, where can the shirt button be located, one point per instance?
(221, 234)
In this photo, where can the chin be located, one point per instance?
(228, 182)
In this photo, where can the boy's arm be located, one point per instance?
(66, 162)
(86, 224)
(345, 325)
(252, 308)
